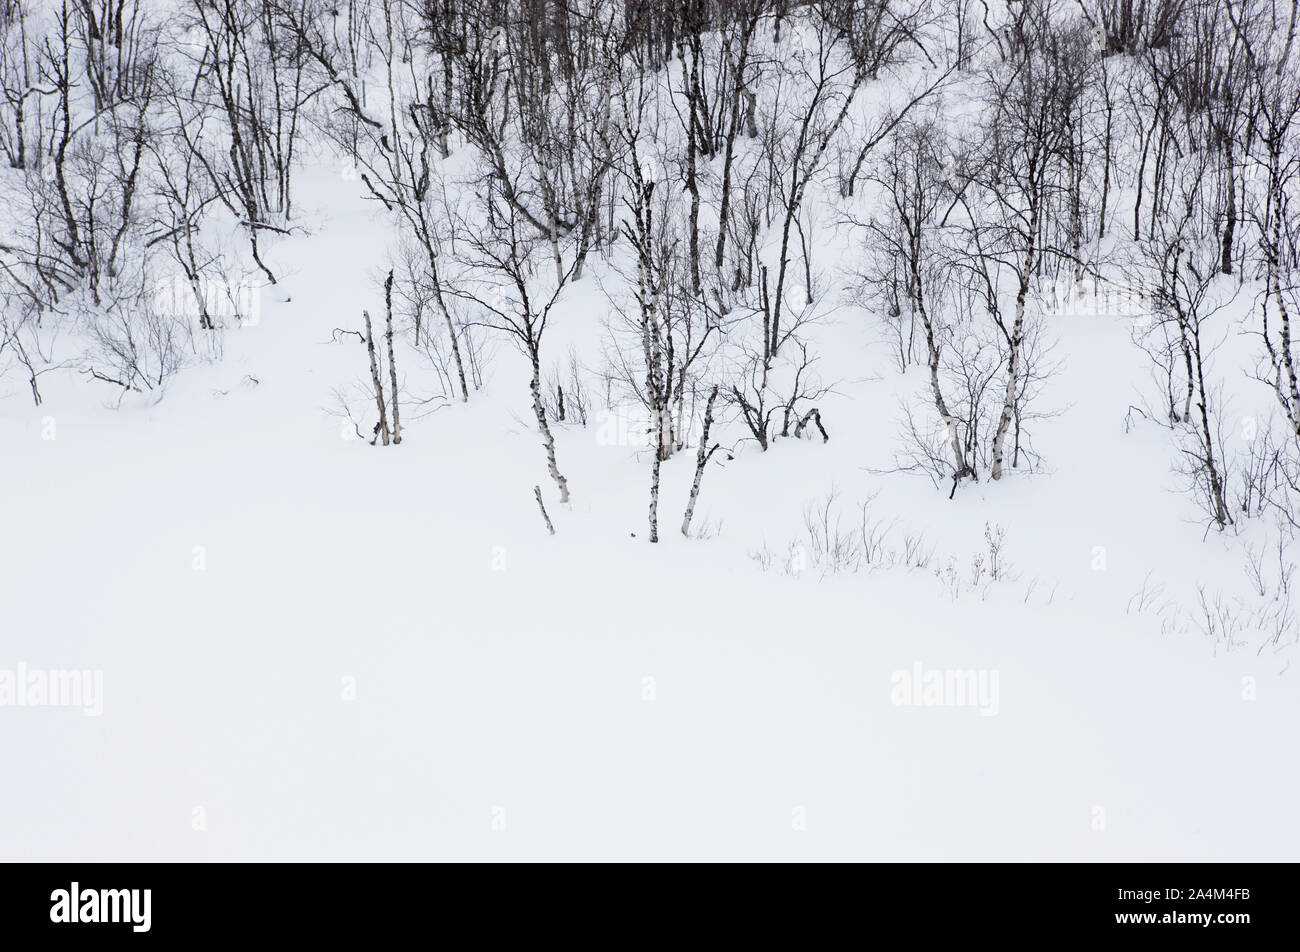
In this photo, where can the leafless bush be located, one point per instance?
(1262, 615)
(568, 394)
(831, 544)
(995, 538)
(832, 547)
(134, 345)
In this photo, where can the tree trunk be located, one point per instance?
(548, 441)
(537, 494)
(701, 458)
(392, 364)
(1013, 371)
(381, 428)
(655, 464)
(451, 330)
(1230, 225)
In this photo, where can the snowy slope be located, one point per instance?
(380, 653)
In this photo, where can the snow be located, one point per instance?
(588, 695)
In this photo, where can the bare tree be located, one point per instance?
(1013, 181)
(500, 256)
(908, 270)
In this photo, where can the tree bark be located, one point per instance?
(537, 493)
(701, 458)
(381, 428)
(548, 441)
(392, 364)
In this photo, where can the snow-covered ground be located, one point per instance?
(315, 649)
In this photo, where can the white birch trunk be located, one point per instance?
(701, 458)
(548, 441)
(382, 427)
